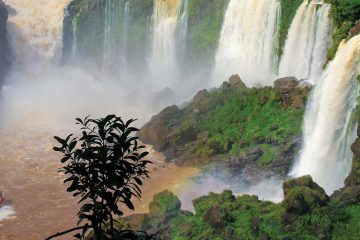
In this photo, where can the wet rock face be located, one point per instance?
(354, 178)
(5, 53)
(156, 132)
(292, 92)
(355, 29)
(286, 85)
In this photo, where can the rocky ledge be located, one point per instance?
(233, 130)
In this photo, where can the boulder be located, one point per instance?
(302, 195)
(355, 29)
(236, 82)
(347, 196)
(201, 95)
(164, 203)
(156, 132)
(292, 92)
(286, 85)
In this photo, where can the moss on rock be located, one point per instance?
(164, 202)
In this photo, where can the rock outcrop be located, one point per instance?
(234, 128)
(157, 131)
(5, 52)
(292, 92)
(301, 196)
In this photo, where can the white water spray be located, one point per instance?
(307, 43)
(112, 18)
(40, 92)
(36, 32)
(6, 212)
(247, 41)
(163, 60)
(328, 126)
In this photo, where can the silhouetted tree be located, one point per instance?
(104, 167)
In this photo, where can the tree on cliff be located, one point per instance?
(104, 167)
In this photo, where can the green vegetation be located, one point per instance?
(105, 167)
(205, 18)
(306, 213)
(288, 11)
(232, 120)
(248, 116)
(344, 14)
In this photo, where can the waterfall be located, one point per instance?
(163, 60)
(328, 124)
(247, 41)
(307, 43)
(126, 24)
(36, 31)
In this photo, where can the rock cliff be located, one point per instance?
(5, 53)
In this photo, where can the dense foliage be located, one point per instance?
(344, 14)
(231, 120)
(305, 213)
(246, 118)
(105, 166)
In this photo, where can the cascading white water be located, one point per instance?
(307, 43)
(40, 89)
(328, 125)
(110, 29)
(39, 38)
(247, 41)
(163, 60)
(126, 24)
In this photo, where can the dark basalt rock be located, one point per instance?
(286, 85)
(292, 92)
(201, 95)
(156, 132)
(177, 132)
(236, 82)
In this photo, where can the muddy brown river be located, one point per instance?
(34, 188)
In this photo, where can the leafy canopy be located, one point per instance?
(104, 167)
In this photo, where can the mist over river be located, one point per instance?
(63, 59)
